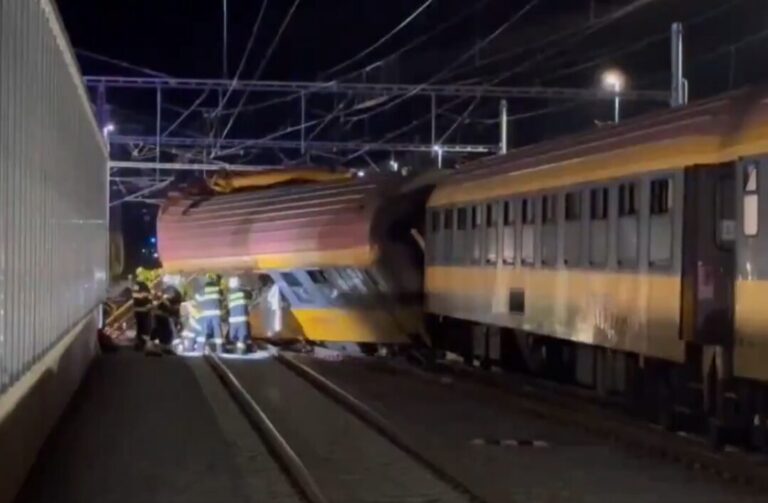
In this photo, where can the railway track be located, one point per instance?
(526, 446)
(614, 419)
(331, 445)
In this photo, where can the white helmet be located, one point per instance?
(234, 282)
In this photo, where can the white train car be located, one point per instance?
(53, 230)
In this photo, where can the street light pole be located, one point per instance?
(225, 41)
(614, 80)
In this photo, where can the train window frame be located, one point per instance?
(599, 206)
(661, 201)
(491, 228)
(750, 200)
(476, 219)
(447, 219)
(462, 224)
(572, 202)
(661, 204)
(628, 210)
(318, 276)
(435, 223)
(434, 235)
(725, 213)
(476, 234)
(550, 204)
(509, 224)
(628, 199)
(549, 209)
(528, 221)
(599, 212)
(297, 287)
(573, 216)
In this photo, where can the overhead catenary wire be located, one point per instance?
(381, 41)
(457, 62)
(591, 27)
(246, 53)
(597, 58)
(572, 34)
(415, 42)
(262, 65)
(120, 63)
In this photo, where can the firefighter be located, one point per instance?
(166, 316)
(142, 303)
(191, 331)
(239, 328)
(209, 302)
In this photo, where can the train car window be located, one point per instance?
(476, 237)
(529, 213)
(549, 230)
(627, 199)
(598, 227)
(376, 280)
(725, 210)
(433, 236)
(661, 196)
(508, 233)
(750, 200)
(298, 289)
(660, 242)
(627, 226)
(461, 219)
(509, 213)
(527, 252)
(448, 219)
(573, 232)
(290, 279)
(446, 244)
(318, 277)
(598, 204)
(549, 209)
(435, 223)
(573, 206)
(491, 233)
(460, 236)
(477, 216)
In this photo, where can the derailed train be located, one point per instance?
(329, 258)
(629, 258)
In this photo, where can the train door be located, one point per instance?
(708, 266)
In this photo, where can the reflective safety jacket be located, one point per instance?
(209, 300)
(238, 307)
(142, 299)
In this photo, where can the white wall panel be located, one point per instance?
(53, 190)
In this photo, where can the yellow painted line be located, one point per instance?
(362, 256)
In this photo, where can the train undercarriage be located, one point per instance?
(699, 396)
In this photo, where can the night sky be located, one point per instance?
(184, 38)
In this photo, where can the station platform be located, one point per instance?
(153, 429)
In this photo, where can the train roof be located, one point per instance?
(320, 224)
(709, 132)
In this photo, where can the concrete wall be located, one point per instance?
(32, 406)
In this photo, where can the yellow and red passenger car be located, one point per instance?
(327, 247)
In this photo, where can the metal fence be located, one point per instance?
(53, 189)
